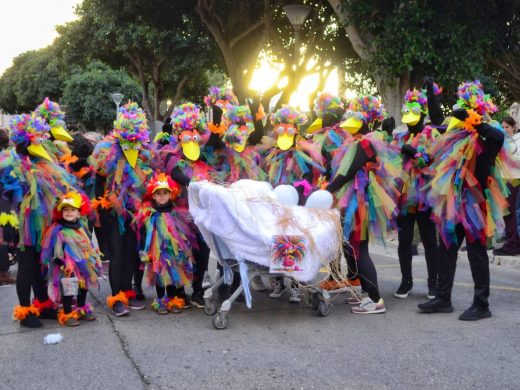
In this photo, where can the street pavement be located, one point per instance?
(278, 345)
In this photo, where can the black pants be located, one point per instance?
(124, 254)
(478, 261)
(81, 300)
(360, 265)
(201, 264)
(102, 242)
(429, 239)
(171, 291)
(4, 258)
(30, 276)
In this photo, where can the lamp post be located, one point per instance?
(297, 13)
(117, 97)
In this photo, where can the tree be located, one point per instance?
(87, 94)
(33, 76)
(401, 41)
(159, 43)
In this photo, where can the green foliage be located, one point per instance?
(33, 76)
(87, 94)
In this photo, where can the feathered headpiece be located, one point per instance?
(131, 124)
(471, 95)
(288, 115)
(222, 97)
(326, 102)
(188, 117)
(50, 111)
(73, 199)
(163, 181)
(239, 124)
(27, 129)
(367, 109)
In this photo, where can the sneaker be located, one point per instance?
(295, 295)
(367, 306)
(88, 317)
(278, 290)
(336, 286)
(206, 282)
(475, 313)
(504, 251)
(404, 289)
(355, 298)
(134, 304)
(436, 305)
(197, 300)
(31, 321)
(72, 322)
(432, 289)
(257, 284)
(49, 314)
(120, 309)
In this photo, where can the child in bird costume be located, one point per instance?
(70, 256)
(166, 236)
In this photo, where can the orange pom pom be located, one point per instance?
(220, 129)
(63, 318)
(20, 313)
(112, 299)
(175, 302)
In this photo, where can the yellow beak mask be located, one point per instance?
(190, 144)
(285, 137)
(131, 152)
(352, 125)
(61, 134)
(38, 150)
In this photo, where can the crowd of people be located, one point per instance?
(450, 176)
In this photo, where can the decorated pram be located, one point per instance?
(251, 228)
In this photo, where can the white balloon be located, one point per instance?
(320, 199)
(286, 195)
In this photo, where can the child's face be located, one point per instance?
(70, 214)
(161, 196)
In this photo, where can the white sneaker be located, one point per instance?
(206, 282)
(278, 289)
(257, 284)
(295, 295)
(367, 306)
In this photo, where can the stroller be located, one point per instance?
(262, 233)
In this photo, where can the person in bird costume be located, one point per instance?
(122, 171)
(466, 198)
(72, 261)
(167, 236)
(364, 173)
(31, 177)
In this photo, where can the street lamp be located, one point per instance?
(297, 13)
(117, 97)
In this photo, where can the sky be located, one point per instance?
(29, 25)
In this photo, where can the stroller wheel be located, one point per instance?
(210, 309)
(315, 301)
(324, 308)
(220, 321)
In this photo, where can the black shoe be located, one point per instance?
(404, 288)
(504, 252)
(31, 321)
(48, 314)
(436, 305)
(415, 250)
(120, 309)
(475, 313)
(134, 304)
(197, 300)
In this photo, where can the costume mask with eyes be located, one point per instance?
(471, 95)
(189, 125)
(131, 130)
(50, 111)
(326, 107)
(239, 124)
(416, 104)
(219, 101)
(285, 122)
(30, 132)
(363, 110)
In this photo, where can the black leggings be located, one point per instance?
(360, 264)
(429, 239)
(80, 302)
(124, 254)
(171, 291)
(478, 262)
(30, 276)
(4, 258)
(201, 264)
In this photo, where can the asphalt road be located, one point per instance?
(278, 345)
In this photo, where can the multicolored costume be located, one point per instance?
(167, 236)
(31, 178)
(466, 199)
(68, 252)
(288, 157)
(415, 144)
(122, 167)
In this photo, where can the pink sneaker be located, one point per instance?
(367, 306)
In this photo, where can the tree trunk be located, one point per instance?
(392, 94)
